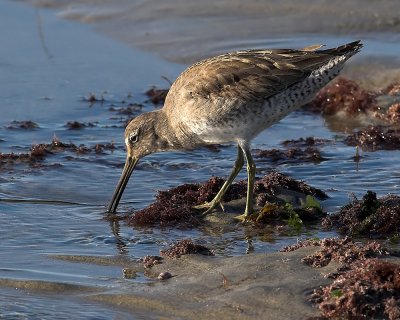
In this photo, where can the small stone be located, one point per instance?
(164, 276)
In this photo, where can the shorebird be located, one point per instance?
(231, 98)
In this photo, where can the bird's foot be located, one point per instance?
(210, 206)
(242, 217)
(245, 217)
(205, 205)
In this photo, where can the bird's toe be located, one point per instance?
(242, 217)
(209, 206)
(245, 217)
(205, 205)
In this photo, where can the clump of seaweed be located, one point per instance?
(309, 154)
(157, 95)
(392, 90)
(302, 244)
(275, 181)
(375, 138)
(344, 251)
(27, 125)
(300, 150)
(175, 206)
(391, 115)
(100, 147)
(12, 157)
(306, 142)
(150, 261)
(57, 145)
(76, 125)
(294, 216)
(343, 95)
(38, 151)
(345, 98)
(369, 216)
(92, 98)
(363, 288)
(185, 246)
(41, 151)
(370, 290)
(130, 110)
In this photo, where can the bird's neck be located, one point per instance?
(173, 137)
(166, 135)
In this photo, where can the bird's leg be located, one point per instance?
(251, 173)
(217, 199)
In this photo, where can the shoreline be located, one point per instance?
(186, 31)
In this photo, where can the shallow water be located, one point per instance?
(48, 66)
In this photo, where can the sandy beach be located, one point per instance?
(184, 31)
(187, 31)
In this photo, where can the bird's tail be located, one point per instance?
(347, 50)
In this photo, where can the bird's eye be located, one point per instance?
(134, 137)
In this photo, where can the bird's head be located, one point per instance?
(143, 136)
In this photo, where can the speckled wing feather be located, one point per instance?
(216, 95)
(251, 75)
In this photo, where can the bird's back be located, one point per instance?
(237, 95)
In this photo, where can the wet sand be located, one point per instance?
(184, 31)
(255, 286)
(187, 31)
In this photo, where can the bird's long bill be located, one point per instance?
(126, 173)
